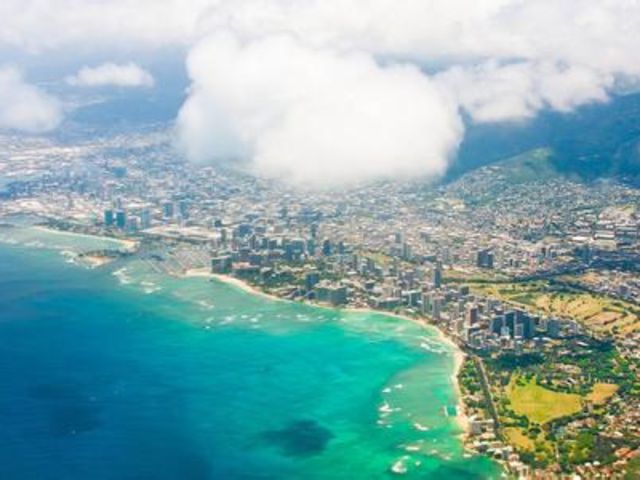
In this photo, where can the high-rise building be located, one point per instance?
(472, 315)
(243, 230)
(510, 320)
(524, 324)
(407, 253)
(108, 218)
(327, 249)
(436, 308)
(437, 276)
(553, 328)
(519, 331)
(338, 295)
(132, 224)
(311, 280)
(294, 249)
(413, 298)
(183, 209)
(167, 210)
(505, 332)
(484, 259)
(221, 264)
(497, 324)
(121, 219)
(253, 242)
(145, 218)
(311, 246)
(370, 265)
(334, 294)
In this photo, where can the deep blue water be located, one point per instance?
(99, 381)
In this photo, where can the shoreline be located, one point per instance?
(128, 244)
(458, 355)
(229, 280)
(458, 360)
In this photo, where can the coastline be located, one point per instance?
(458, 355)
(458, 360)
(128, 244)
(229, 280)
(356, 368)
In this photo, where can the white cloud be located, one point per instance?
(81, 25)
(490, 92)
(313, 116)
(26, 107)
(112, 74)
(497, 60)
(333, 103)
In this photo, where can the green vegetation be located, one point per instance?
(539, 404)
(541, 400)
(510, 361)
(633, 469)
(533, 165)
(582, 448)
(600, 141)
(469, 378)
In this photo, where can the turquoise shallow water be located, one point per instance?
(121, 372)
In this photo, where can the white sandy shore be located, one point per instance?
(458, 359)
(229, 280)
(458, 355)
(126, 243)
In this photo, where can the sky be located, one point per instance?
(320, 92)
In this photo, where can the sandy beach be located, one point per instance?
(458, 360)
(126, 243)
(229, 280)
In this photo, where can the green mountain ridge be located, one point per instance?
(596, 141)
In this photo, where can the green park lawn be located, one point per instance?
(540, 405)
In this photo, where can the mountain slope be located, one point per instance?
(596, 141)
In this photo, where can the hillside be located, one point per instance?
(596, 141)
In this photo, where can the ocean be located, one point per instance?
(121, 372)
